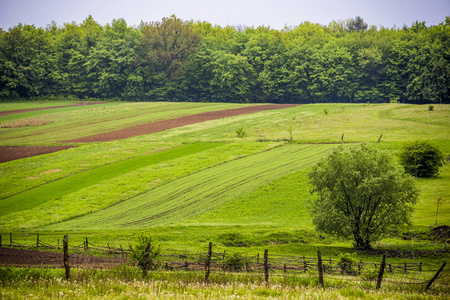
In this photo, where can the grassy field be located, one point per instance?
(202, 183)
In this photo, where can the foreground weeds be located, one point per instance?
(126, 283)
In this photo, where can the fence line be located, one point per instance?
(273, 266)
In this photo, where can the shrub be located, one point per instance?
(421, 158)
(347, 262)
(144, 253)
(240, 132)
(430, 107)
(234, 239)
(235, 262)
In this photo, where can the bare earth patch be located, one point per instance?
(8, 153)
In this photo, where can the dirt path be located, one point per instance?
(11, 257)
(10, 112)
(174, 123)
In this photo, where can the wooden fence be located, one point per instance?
(275, 265)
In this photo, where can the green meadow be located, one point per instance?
(203, 183)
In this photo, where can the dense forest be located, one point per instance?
(176, 60)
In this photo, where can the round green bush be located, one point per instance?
(421, 158)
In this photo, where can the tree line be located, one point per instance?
(176, 60)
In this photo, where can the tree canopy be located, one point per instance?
(361, 193)
(176, 60)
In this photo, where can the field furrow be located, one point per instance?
(59, 188)
(201, 192)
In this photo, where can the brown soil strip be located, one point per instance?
(10, 112)
(173, 123)
(11, 257)
(8, 153)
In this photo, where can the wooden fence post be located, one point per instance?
(435, 276)
(0, 240)
(37, 239)
(146, 260)
(319, 267)
(208, 263)
(266, 266)
(305, 266)
(86, 246)
(380, 274)
(58, 245)
(257, 258)
(10, 239)
(66, 256)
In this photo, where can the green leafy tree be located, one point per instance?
(362, 193)
(356, 24)
(228, 76)
(370, 63)
(110, 64)
(421, 158)
(331, 77)
(164, 54)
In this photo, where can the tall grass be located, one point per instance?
(125, 282)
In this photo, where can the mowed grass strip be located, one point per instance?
(193, 195)
(56, 189)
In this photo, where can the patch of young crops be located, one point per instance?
(193, 195)
(64, 186)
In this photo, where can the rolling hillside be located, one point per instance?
(200, 176)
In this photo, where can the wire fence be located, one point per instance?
(275, 266)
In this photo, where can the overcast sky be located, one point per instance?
(273, 13)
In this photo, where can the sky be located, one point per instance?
(274, 13)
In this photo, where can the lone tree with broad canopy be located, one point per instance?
(362, 193)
